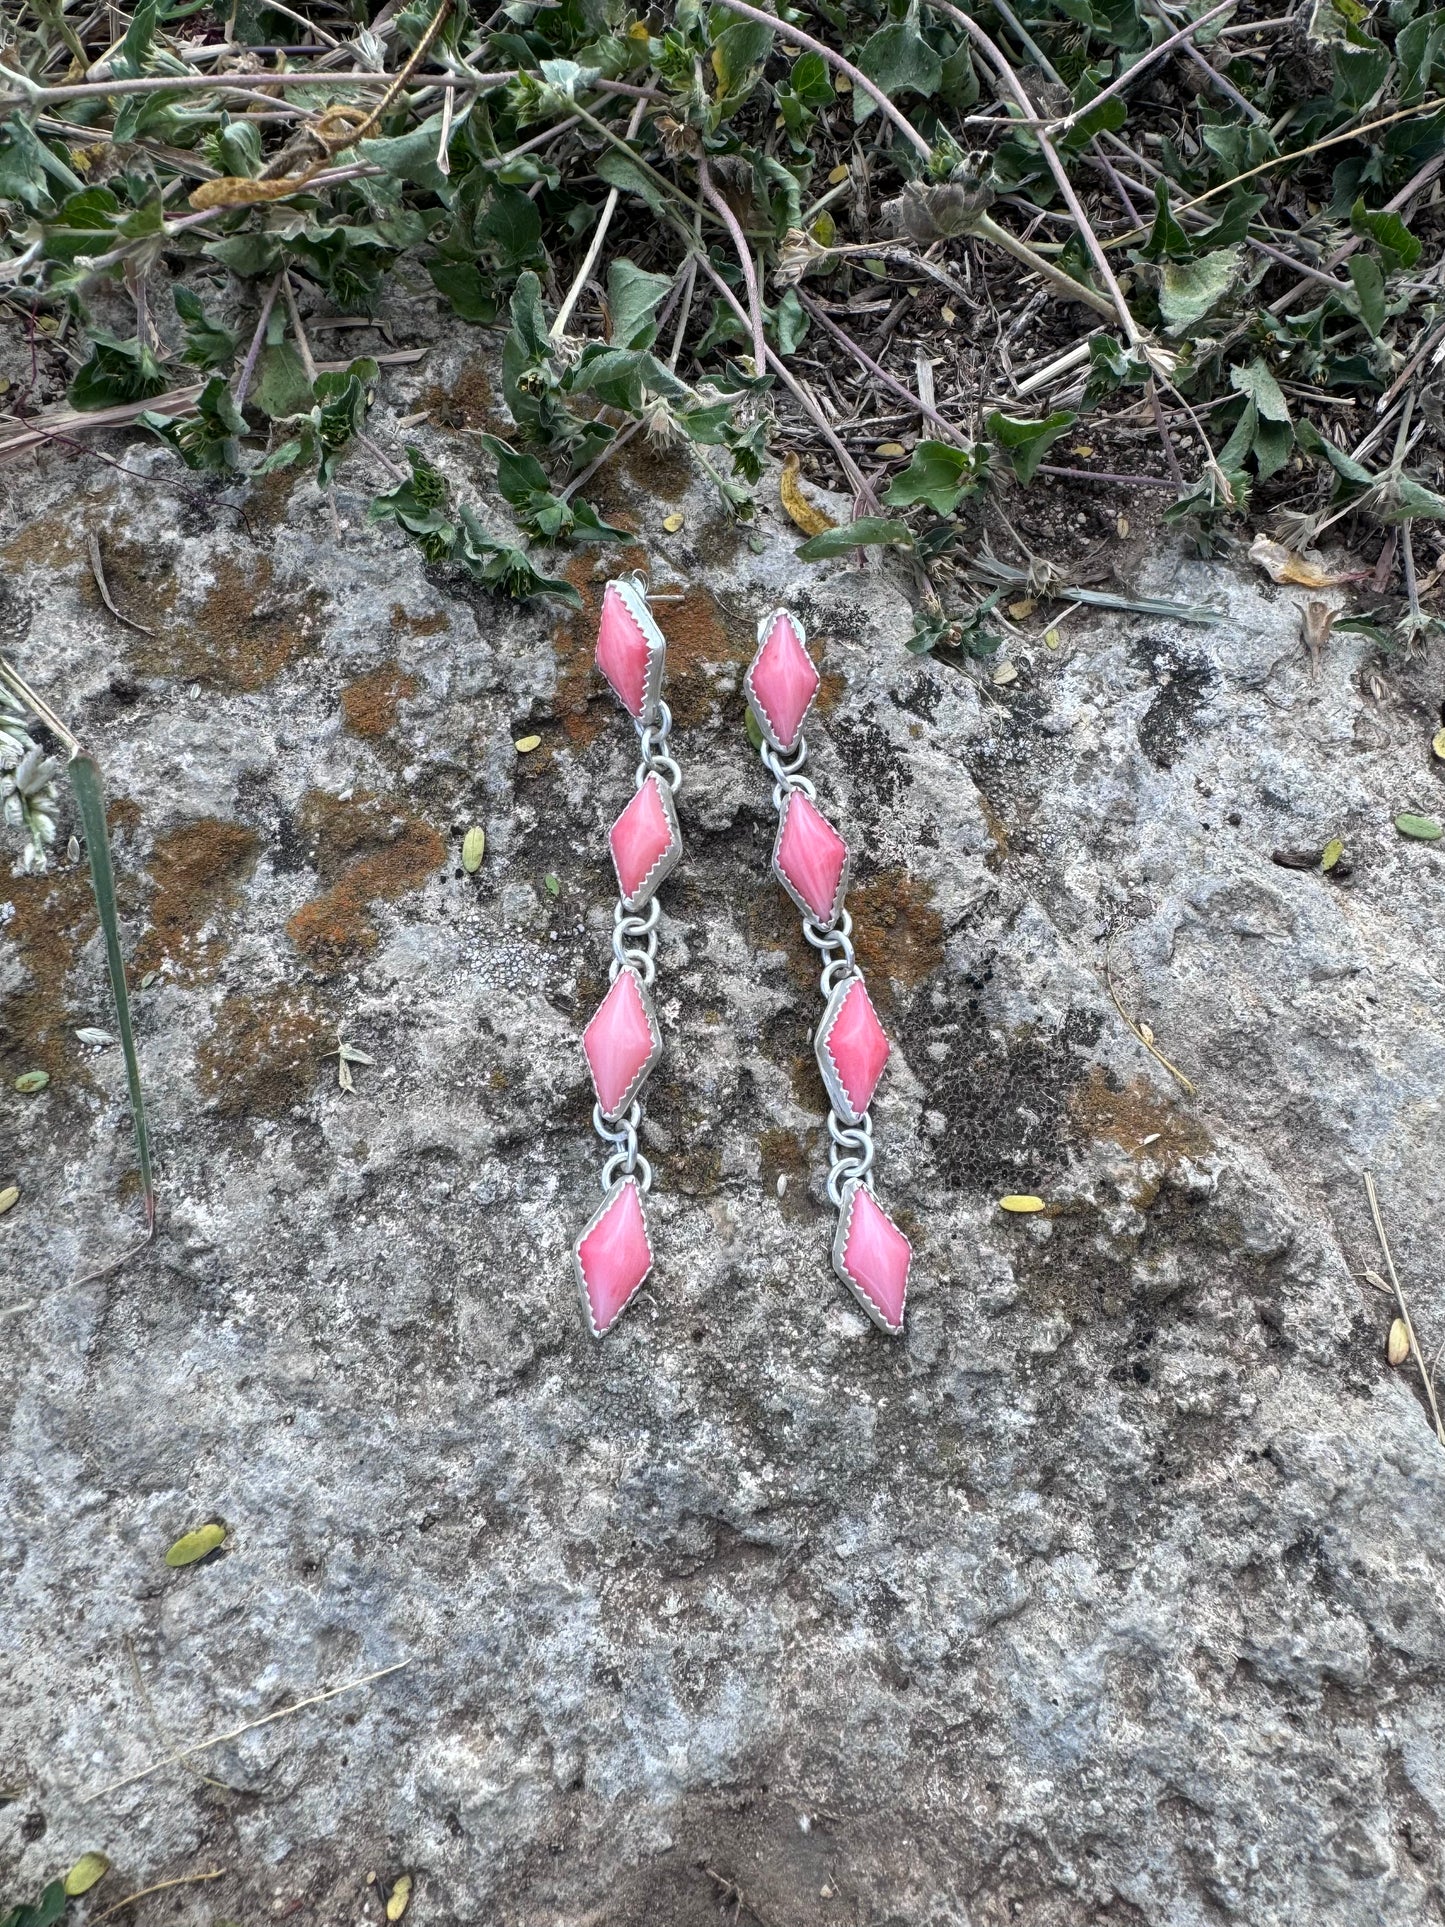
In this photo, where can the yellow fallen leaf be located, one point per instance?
(1015, 1202)
(838, 176)
(1082, 448)
(638, 30)
(672, 523)
(841, 85)
(949, 317)
(90, 1868)
(400, 1895)
(824, 230)
(801, 512)
(524, 745)
(891, 449)
(1397, 1347)
(192, 1546)
(1052, 638)
(1333, 851)
(474, 848)
(10, 1195)
(1283, 565)
(1023, 608)
(1437, 743)
(1005, 673)
(1121, 524)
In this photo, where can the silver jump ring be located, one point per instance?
(638, 1168)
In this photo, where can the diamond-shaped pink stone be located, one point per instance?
(872, 1255)
(613, 1256)
(624, 653)
(622, 1043)
(782, 682)
(852, 1045)
(811, 858)
(645, 842)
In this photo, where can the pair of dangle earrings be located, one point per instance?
(623, 1041)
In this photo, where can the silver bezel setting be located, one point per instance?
(666, 863)
(759, 714)
(649, 1064)
(840, 1245)
(601, 1331)
(634, 601)
(832, 1076)
(844, 877)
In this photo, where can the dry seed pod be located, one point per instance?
(1397, 1346)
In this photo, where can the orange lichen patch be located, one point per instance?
(367, 853)
(662, 471)
(578, 703)
(243, 634)
(53, 918)
(468, 403)
(1137, 1117)
(369, 705)
(896, 930)
(411, 625)
(706, 645)
(262, 1054)
(197, 869)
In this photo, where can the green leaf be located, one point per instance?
(85, 779)
(900, 60)
(1188, 290)
(1406, 500)
(469, 291)
(1027, 442)
(940, 474)
(870, 531)
(23, 167)
(791, 322)
(738, 55)
(29, 1083)
(412, 156)
(511, 229)
(1369, 291)
(281, 386)
(208, 344)
(1345, 466)
(117, 371)
(206, 440)
(1167, 240)
(1263, 390)
(86, 224)
(621, 171)
(634, 297)
(88, 1871)
(192, 1546)
(136, 48)
(248, 256)
(1400, 248)
(1425, 828)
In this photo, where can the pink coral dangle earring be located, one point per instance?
(623, 1042)
(811, 861)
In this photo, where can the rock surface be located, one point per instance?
(1113, 1592)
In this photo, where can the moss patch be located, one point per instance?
(366, 852)
(410, 625)
(897, 932)
(1137, 1117)
(370, 704)
(468, 403)
(54, 917)
(244, 633)
(197, 870)
(263, 1053)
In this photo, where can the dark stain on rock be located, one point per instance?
(1185, 679)
(369, 705)
(196, 872)
(365, 852)
(1006, 1099)
(263, 1053)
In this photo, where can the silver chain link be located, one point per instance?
(634, 941)
(852, 1157)
(787, 774)
(652, 739)
(626, 1157)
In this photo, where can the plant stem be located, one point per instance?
(859, 79)
(745, 260)
(599, 236)
(248, 366)
(1144, 62)
(867, 362)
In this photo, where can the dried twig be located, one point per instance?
(160, 1887)
(220, 1739)
(1404, 1308)
(97, 569)
(1146, 1040)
